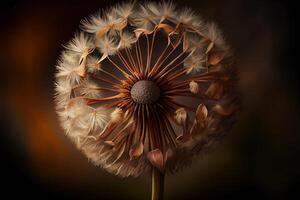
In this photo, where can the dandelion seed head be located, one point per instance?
(145, 85)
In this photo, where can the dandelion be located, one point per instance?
(146, 87)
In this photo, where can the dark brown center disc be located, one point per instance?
(144, 92)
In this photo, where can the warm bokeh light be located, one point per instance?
(256, 159)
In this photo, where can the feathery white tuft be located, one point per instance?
(126, 40)
(187, 17)
(92, 64)
(95, 119)
(165, 11)
(106, 46)
(93, 24)
(113, 21)
(89, 89)
(215, 35)
(63, 90)
(75, 108)
(125, 9)
(68, 68)
(193, 41)
(144, 19)
(153, 10)
(80, 120)
(116, 115)
(81, 44)
(194, 63)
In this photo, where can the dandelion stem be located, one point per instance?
(157, 184)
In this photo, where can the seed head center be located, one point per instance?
(144, 92)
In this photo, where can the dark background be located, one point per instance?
(259, 159)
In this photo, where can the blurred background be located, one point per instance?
(259, 159)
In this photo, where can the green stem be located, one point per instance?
(157, 184)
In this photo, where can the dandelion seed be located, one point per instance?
(181, 116)
(80, 44)
(144, 19)
(125, 10)
(107, 47)
(187, 17)
(92, 64)
(63, 90)
(194, 87)
(117, 115)
(126, 40)
(166, 11)
(69, 68)
(215, 35)
(95, 119)
(89, 89)
(194, 64)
